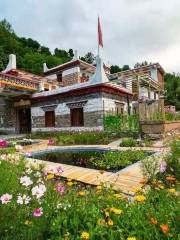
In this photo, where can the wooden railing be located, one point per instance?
(21, 83)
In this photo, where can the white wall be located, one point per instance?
(110, 105)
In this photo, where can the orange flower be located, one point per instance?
(164, 228)
(110, 222)
(154, 221)
(170, 179)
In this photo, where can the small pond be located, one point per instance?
(96, 158)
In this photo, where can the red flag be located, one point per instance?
(100, 34)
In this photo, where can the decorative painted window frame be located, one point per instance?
(48, 108)
(79, 104)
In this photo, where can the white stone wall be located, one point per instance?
(93, 105)
(110, 105)
(62, 109)
(37, 112)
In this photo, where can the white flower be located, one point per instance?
(39, 190)
(28, 171)
(23, 199)
(6, 198)
(3, 156)
(18, 147)
(37, 174)
(25, 181)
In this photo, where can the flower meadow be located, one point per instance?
(36, 203)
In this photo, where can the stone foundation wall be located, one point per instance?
(157, 129)
(91, 119)
(7, 115)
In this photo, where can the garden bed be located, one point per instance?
(83, 138)
(95, 158)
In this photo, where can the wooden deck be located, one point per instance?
(125, 180)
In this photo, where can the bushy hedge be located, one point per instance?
(121, 123)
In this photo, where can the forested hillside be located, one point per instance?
(31, 55)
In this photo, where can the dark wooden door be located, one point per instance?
(77, 117)
(50, 119)
(24, 116)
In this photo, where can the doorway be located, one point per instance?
(24, 119)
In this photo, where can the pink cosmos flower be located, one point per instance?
(28, 154)
(163, 166)
(53, 170)
(3, 143)
(51, 142)
(5, 198)
(38, 212)
(59, 169)
(60, 188)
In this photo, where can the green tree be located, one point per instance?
(115, 69)
(125, 68)
(89, 58)
(172, 89)
(71, 53)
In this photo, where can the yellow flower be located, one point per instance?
(70, 184)
(81, 193)
(101, 221)
(110, 222)
(131, 238)
(27, 222)
(117, 196)
(106, 214)
(172, 190)
(85, 235)
(140, 198)
(161, 186)
(115, 210)
(50, 176)
(138, 189)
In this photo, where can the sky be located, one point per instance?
(133, 30)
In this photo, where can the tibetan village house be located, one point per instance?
(72, 96)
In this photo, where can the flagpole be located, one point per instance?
(98, 36)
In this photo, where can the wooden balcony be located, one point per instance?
(9, 81)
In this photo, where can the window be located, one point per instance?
(59, 77)
(49, 119)
(77, 117)
(119, 108)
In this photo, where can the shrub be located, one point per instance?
(129, 143)
(116, 160)
(75, 138)
(121, 123)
